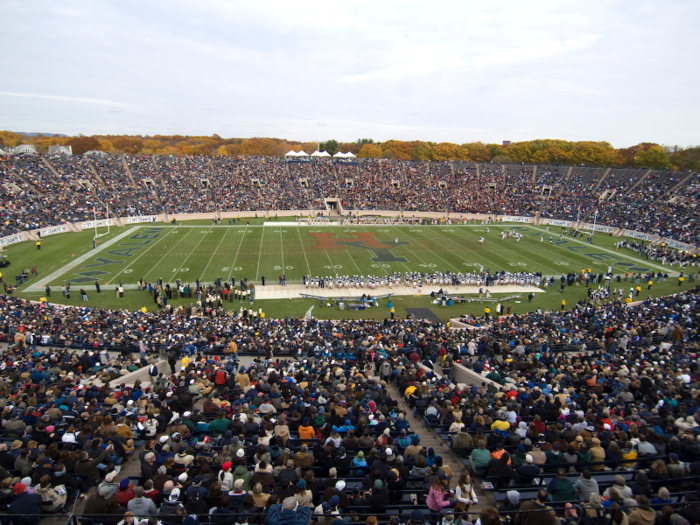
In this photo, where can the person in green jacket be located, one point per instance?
(561, 488)
(220, 425)
(241, 472)
(554, 458)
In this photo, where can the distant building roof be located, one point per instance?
(22, 149)
(60, 150)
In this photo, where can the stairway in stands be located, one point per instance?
(429, 439)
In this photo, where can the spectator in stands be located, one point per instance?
(561, 488)
(141, 505)
(26, 508)
(289, 513)
(539, 512)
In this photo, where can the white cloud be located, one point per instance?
(444, 71)
(74, 100)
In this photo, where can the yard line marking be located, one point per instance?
(489, 241)
(213, 254)
(282, 250)
(257, 272)
(190, 254)
(426, 249)
(235, 257)
(77, 261)
(111, 281)
(304, 250)
(164, 256)
(349, 255)
(631, 258)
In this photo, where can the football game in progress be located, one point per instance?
(349, 263)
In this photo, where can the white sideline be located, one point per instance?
(77, 261)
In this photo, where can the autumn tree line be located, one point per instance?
(548, 151)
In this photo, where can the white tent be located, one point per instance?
(320, 154)
(292, 153)
(339, 155)
(350, 155)
(302, 153)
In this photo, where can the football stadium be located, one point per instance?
(198, 330)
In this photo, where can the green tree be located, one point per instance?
(446, 151)
(654, 157)
(331, 146)
(475, 152)
(422, 151)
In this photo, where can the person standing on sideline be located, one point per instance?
(563, 304)
(97, 285)
(263, 280)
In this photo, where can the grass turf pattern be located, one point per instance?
(189, 251)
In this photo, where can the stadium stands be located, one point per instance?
(655, 202)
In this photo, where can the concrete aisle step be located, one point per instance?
(428, 439)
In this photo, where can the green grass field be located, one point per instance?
(190, 251)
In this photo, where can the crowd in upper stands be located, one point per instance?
(45, 191)
(608, 433)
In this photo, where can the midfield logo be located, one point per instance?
(366, 240)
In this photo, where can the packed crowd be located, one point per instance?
(321, 438)
(663, 203)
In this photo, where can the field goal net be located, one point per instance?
(102, 224)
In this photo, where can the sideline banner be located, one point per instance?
(509, 218)
(678, 245)
(52, 229)
(638, 235)
(141, 218)
(96, 224)
(598, 228)
(12, 239)
(551, 222)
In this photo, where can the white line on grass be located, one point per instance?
(634, 259)
(77, 261)
(257, 272)
(424, 247)
(235, 257)
(111, 281)
(190, 254)
(213, 254)
(282, 250)
(349, 255)
(164, 256)
(304, 250)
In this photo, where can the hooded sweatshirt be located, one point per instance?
(586, 487)
(142, 507)
(241, 472)
(642, 516)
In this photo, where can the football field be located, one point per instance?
(205, 252)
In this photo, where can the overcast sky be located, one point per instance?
(625, 72)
